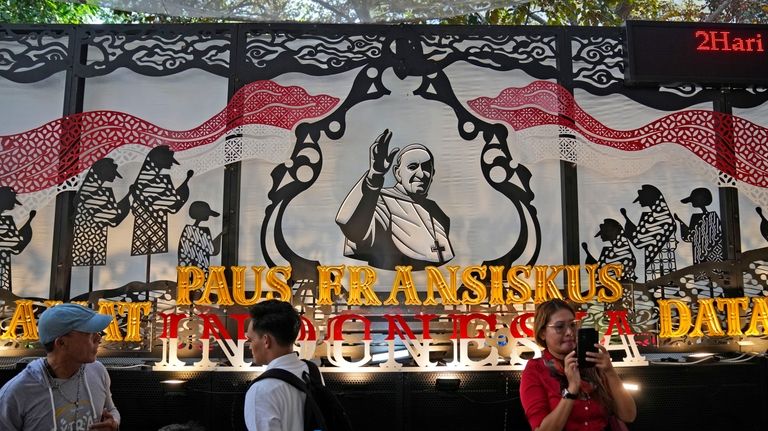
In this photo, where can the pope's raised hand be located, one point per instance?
(380, 158)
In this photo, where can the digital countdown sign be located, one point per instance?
(699, 53)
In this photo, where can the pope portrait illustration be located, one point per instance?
(399, 225)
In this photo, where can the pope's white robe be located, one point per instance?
(386, 227)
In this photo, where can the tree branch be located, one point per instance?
(714, 15)
(332, 9)
(537, 18)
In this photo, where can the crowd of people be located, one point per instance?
(69, 390)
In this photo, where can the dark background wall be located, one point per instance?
(716, 396)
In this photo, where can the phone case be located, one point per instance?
(587, 338)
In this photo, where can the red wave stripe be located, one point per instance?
(50, 154)
(731, 144)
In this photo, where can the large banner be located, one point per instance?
(414, 191)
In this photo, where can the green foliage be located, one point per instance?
(537, 12)
(741, 11)
(615, 12)
(126, 17)
(46, 12)
(64, 12)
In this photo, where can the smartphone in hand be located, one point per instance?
(585, 342)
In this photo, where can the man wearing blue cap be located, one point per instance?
(68, 389)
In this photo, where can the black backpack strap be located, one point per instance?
(311, 409)
(286, 376)
(315, 379)
(314, 373)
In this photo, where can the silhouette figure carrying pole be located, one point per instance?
(154, 197)
(96, 209)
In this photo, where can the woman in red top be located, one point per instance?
(555, 394)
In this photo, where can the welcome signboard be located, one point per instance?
(492, 331)
(413, 190)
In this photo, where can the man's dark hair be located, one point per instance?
(277, 318)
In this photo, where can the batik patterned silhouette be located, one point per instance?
(704, 231)
(654, 233)
(618, 249)
(95, 211)
(154, 197)
(196, 244)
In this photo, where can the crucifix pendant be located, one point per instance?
(439, 249)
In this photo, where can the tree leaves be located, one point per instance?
(537, 12)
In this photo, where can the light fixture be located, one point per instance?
(700, 355)
(383, 356)
(174, 387)
(447, 384)
(634, 387)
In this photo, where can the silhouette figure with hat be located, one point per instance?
(96, 209)
(154, 197)
(704, 231)
(654, 232)
(196, 244)
(12, 240)
(618, 249)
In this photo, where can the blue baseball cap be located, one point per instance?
(64, 318)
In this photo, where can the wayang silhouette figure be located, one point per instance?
(154, 197)
(196, 244)
(96, 209)
(618, 249)
(654, 232)
(704, 231)
(12, 240)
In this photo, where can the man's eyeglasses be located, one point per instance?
(560, 327)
